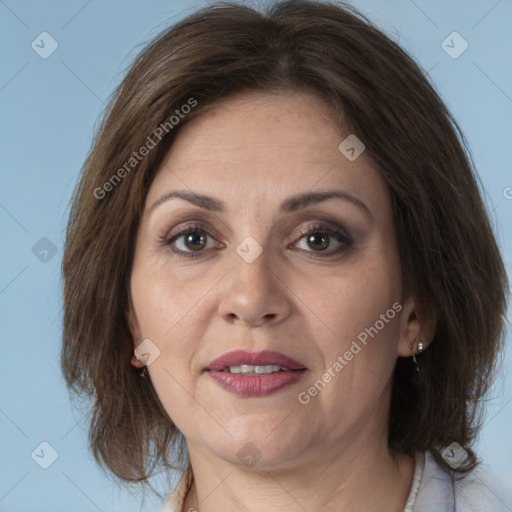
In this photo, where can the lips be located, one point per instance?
(283, 372)
(264, 358)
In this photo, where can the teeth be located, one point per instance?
(257, 370)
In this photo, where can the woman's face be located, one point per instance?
(271, 260)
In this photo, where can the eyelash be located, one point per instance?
(340, 235)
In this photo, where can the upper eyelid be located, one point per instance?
(201, 225)
(194, 226)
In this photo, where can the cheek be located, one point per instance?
(167, 315)
(170, 306)
(359, 307)
(359, 350)
(164, 299)
(355, 296)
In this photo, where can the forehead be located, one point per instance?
(262, 146)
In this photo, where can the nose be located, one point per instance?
(253, 294)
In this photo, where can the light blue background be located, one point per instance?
(48, 111)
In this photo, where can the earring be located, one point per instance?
(415, 361)
(143, 372)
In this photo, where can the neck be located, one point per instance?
(357, 478)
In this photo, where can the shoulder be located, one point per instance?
(441, 491)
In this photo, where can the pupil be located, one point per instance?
(195, 241)
(318, 241)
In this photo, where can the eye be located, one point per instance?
(322, 238)
(190, 242)
(194, 241)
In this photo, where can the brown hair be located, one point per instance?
(449, 257)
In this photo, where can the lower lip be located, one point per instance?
(256, 385)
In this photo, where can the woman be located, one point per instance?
(280, 277)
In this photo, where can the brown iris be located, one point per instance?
(318, 241)
(195, 241)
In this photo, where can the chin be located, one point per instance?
(258, 447)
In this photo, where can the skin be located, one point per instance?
(252, 152)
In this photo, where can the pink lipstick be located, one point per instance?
(255, 374)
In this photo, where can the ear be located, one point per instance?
(133, 325)
(417, 323)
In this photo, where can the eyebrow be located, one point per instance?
(292, 204)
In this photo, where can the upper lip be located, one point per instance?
(266, 357)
